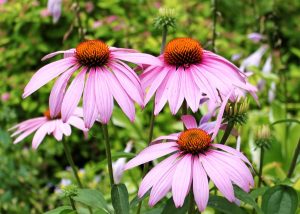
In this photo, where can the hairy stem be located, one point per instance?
(108, 154)
(72, 204)
(227, 132)
(294, 160)
(80, 26)
(261, 164)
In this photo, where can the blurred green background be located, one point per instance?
(31, 181)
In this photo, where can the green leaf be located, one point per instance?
(100, 211)
(59, 210)
(171, 209)
(117, 155)
(223, 205)
(280, 199)
(245, 197)
(92, 198)
(137, 200)
(119, 197)
(257, 192)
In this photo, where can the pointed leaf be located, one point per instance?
(119, 196)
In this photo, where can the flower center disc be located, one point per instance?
(183, 52)
(194, 141)
(92, 53)
(47, 114)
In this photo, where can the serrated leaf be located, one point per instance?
(280, 199)
(246, 198)
(92, 198)
(59, 210)
(223, 205)
(119, 197)
(170, 208)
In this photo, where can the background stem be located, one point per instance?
(108, 154)
(227, 132)
(261, 164)
(294, 160)
(214, 12)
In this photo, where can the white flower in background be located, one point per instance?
(54, 7)
(63, 183)
(254, 59)
(267, 68)
(272, 92)
(238, 143)
(118, 166)
(236, 57)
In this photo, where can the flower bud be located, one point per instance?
(165, 18)
(263, 137)
(70, 190)
(236, 112)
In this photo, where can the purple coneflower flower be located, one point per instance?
(255, 37)
(102, 75)
(46, 125)
(193, 159)
(191, 73)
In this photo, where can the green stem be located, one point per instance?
(80, 27)
(71, 162)
(164, 39)
(191, 204)
(108, 154)
(294, 160)
(72, 204)
(261, 164)
(214, 29)
(227, 132)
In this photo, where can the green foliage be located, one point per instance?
(119, 197)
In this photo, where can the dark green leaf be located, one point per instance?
(223, 205)
(59, 210)
(280, 199)
(171, 209)
(91, 198)
(257, 192)
(245, 197)
(119, 197)
(100, 211)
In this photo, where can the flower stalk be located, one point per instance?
(108, 154)
(261, 164)
(214, 30)
(71, 162)
(294, 160)
(227, 132)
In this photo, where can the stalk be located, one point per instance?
(294, 160)
(108, 154)
(227, 132)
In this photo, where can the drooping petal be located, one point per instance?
(191, 91)
(152, 152)
(189, 121)
(73, 95)
(90, 112)
(219, 178)
(174, 92)
(171, 137)
(200, 184)
(46, 74)
(58, 91)
(162, 186)
(40, 135)
(122, 98)
(137, 58)
(65, 128)
(27, 133)
(77, 122)
(155, 174)
(182, 180)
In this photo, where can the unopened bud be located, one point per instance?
(70, 190)
(263, 137)
(236, 112)
(165, 18)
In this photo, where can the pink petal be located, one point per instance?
(123, 67)
(40, 135)
(162, 186)
(28, 126)
(149, 75)
(191, 90)
(65, 128)
(220, 116)
(27, 133)
(200, 185)
(156, 173)
(156, 84)
(57, 133)
(182, 180)
(137, 58)
(217, 175)
(70, 51)
(151, 153)
(73, 95)
(122, 98)
(189, 121)
(103, 95)
(46, 74)
(77, 123)
(25, 123)
(171, 137)
(232, 151)
(175, 97)
(58, 91)
(90, 112)
(132, 89)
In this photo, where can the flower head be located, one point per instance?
(101, 75)
(46, 125)
(193, 159)
(189, 72)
